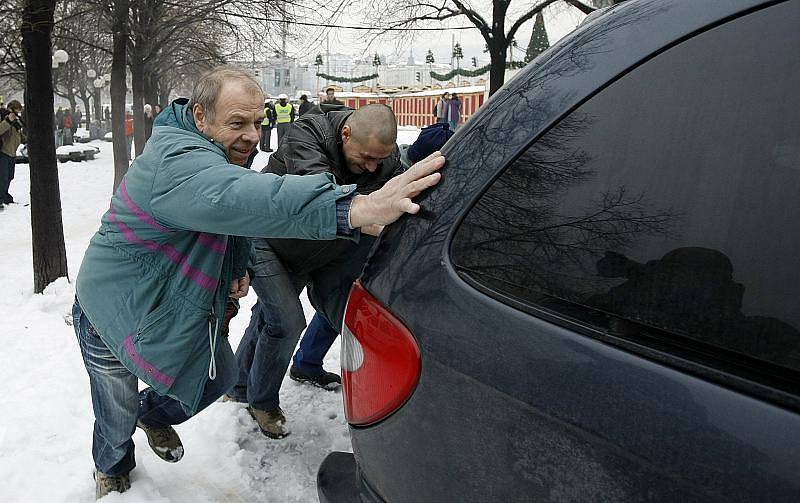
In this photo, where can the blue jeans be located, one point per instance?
(277, 319)
(118, 404)
(6, 175)
(276, 322)
(453, 125)
(314, 345)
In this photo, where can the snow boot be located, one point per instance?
(104, 484)
(165, 442)
(270, 422)
(322, 379)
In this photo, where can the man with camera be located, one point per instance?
(11, 136)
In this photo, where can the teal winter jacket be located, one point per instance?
(155, 277)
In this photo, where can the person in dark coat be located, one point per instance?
(305, 105)
(356, 147)
(320, 334)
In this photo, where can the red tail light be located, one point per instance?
(380, 359)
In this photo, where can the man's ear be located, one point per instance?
(199, 116)
(346, 133)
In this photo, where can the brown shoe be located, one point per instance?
(165, 442)
(104, 484)
(270, 422)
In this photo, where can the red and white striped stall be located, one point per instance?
(418, 108)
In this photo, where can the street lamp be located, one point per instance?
(60, 56)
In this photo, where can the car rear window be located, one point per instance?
(665, 205)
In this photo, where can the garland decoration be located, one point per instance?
(474, 73)
(347, 79)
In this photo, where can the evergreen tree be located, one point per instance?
(539, 41)
(458, 54)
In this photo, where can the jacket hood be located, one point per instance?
(178, 115)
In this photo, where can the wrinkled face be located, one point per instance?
(236, 123)
(329, 93)
(365, 155)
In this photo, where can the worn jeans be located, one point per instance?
(314, 345)
(118, 404)
(277, 318)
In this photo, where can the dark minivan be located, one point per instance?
(601, 300)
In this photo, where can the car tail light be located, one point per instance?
(380, 359)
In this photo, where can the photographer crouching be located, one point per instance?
(11, 136)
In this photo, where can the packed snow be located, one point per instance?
(46, 421)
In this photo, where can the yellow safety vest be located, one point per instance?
(267, 112)
(284, 113)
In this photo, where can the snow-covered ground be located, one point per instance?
(46, 419)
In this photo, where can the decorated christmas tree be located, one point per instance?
(539, 41)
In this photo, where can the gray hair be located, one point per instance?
(208, 87)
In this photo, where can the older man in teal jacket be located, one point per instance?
(155, 280)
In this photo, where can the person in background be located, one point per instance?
(305, 105)
(67, 123)
(320, 334)
(128, 133)
(11, 136)
(77, 121)
(330, 97)
(284, 116)
(266, 127)
(106, 114)
(148, 121)
(441, 108)
(453, 111)
(156, 282)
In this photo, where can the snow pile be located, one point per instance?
(46, 423)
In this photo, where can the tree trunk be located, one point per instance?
(150, 86)
(49, 253)
(163, 97)
(88, 108)
(137, 85)
(118, 89)
(98, 106)
(497, 70)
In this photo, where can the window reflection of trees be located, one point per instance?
(520, 236)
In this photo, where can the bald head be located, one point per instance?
(373, 122)
(368, 137)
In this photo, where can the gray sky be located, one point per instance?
(559, 20)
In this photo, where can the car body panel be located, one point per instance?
(512, 407)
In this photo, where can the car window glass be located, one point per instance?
(667, 201)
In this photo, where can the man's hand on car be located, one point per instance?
(388, 203)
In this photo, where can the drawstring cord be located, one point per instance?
(212, 342)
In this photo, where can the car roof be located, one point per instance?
(571, 71)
